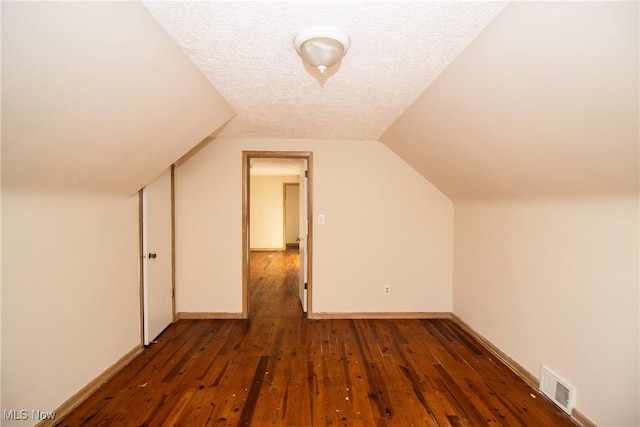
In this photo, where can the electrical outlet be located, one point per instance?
(387, 289)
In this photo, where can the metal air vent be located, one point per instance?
(557, 389)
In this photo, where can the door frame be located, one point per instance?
(246, 252)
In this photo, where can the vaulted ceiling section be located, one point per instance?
(484, 99)
(97, 97)
(544, 103)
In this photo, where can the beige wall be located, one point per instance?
(267, 211)
(555, 282)
(537, 122)
(90, 102)
(385, 224)
(70, 292)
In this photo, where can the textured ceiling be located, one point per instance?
(246, 50)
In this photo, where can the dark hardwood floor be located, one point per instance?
(279, 369)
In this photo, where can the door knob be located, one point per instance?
(151, 256)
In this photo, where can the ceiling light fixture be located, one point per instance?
(321, 47)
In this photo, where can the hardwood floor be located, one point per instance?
(279, 369)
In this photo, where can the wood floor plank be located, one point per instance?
(278, 368)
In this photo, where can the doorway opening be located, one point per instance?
(291, 217)
(300, 162)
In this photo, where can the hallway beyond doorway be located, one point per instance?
(273, 284)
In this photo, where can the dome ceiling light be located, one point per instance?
(321, 47)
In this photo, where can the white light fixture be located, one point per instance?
(321, 47)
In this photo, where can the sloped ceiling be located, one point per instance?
(96, 96)
(245, 48)
(535, 98)
(544, 103)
